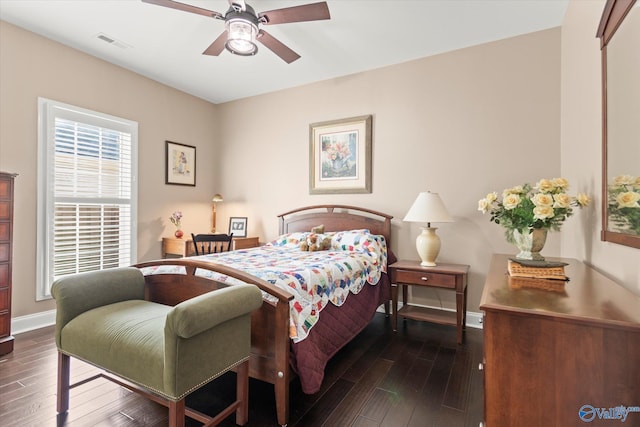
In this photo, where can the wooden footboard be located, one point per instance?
(270, 343)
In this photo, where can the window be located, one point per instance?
(87, 192)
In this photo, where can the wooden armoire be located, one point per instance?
(6, 240)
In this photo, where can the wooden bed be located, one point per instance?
(271, 346)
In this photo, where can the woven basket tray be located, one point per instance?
(519, 270)
(542, 284)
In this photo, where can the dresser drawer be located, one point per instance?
(5, 210)
(426, 278)
(5, 322)
(5, 189)
(4, 300)
(4, 252)
(4, 275)
(4, 231)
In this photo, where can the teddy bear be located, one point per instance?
(316, 242)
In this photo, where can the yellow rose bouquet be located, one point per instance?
(624, 204)
(525, 207)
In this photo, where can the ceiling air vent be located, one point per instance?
(112, 41)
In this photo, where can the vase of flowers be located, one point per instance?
(528, 212)
(530, 243)
(624, 204)
(176, 219)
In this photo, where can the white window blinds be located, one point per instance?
(87, 209)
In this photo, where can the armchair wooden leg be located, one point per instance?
(176, 413)
(64, 364)
(242, 393)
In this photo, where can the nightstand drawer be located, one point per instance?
(426, 278)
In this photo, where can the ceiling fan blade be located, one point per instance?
(307, 12)
(186, 8)
(217, 46)
(277, 47)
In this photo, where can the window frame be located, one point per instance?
(48, 111)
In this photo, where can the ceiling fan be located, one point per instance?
(241, 26)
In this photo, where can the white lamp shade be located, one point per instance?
(428, 207)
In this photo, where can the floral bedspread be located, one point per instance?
(314, 278)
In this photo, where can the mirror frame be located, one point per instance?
(614, 13)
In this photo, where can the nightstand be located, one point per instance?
(442, 276)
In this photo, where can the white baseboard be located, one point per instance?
(47, 318)
(32, 321)
(474, 320)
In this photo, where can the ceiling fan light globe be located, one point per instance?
(241, 39)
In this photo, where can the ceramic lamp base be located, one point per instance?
(428, 246)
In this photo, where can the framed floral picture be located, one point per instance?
(238, 226)
(180, 167)
(340, 156)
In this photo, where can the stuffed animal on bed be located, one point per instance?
(318, 229)
(316, 242)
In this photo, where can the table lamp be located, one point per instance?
(216, 198)
(428, 207)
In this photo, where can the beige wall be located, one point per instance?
(460, 124)
(31, 67)
(581, 144)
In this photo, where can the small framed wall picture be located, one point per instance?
(180, 167)
(238, 226)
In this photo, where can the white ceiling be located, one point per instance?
(167, 44)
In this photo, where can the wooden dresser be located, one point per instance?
(552, 352)
(6, 239)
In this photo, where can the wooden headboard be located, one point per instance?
(336, 218)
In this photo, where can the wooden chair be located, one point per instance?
(211, 243)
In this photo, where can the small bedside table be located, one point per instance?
(444, 276)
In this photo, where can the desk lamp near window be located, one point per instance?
(428, 208)
(216, 198)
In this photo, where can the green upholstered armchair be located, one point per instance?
(161, 351)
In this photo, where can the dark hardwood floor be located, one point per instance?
(416, 377)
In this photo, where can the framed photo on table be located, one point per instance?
(238, 226)
(180, 166)
(340, 156)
